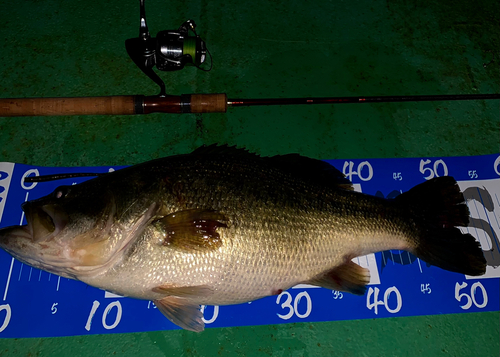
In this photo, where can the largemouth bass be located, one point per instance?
(223, 226)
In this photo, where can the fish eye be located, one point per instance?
(61, 192)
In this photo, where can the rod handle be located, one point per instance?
(208, 103)
(110, 105)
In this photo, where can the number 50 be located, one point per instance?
(472, 297)
(434, 171)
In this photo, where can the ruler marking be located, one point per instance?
(22, 214)
(477, 211)
(8, 280)
(467, 228)
(489, 222)
(392, 257)
(419, 266)
(494, 215)
(20, 272)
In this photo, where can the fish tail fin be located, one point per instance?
(437, 206)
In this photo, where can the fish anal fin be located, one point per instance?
(348, 277)
(183, 291)
(181, 312)
(193, 229)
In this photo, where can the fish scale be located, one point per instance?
(304, 237)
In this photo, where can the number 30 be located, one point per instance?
(294, 309)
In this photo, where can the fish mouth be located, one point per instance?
(44, 222)
(30, 243)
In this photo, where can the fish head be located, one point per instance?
(68, 232)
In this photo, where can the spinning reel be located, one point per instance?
(171, 50)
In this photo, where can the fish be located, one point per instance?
(223, 226)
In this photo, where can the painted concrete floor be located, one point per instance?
(263, 49)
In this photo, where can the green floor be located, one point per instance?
(264, 49)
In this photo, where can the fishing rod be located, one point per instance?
(188, 103)
(172, 50)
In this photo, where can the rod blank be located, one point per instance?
(373, 99)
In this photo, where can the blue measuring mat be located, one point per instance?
(34, 303)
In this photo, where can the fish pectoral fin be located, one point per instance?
(181, 312)
(192, 229)
(348, 277)
(183, 291)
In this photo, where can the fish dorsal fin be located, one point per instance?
(312, 170)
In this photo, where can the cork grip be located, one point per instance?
(208, 103)
(112, 105)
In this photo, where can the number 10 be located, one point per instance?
(95, 306)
